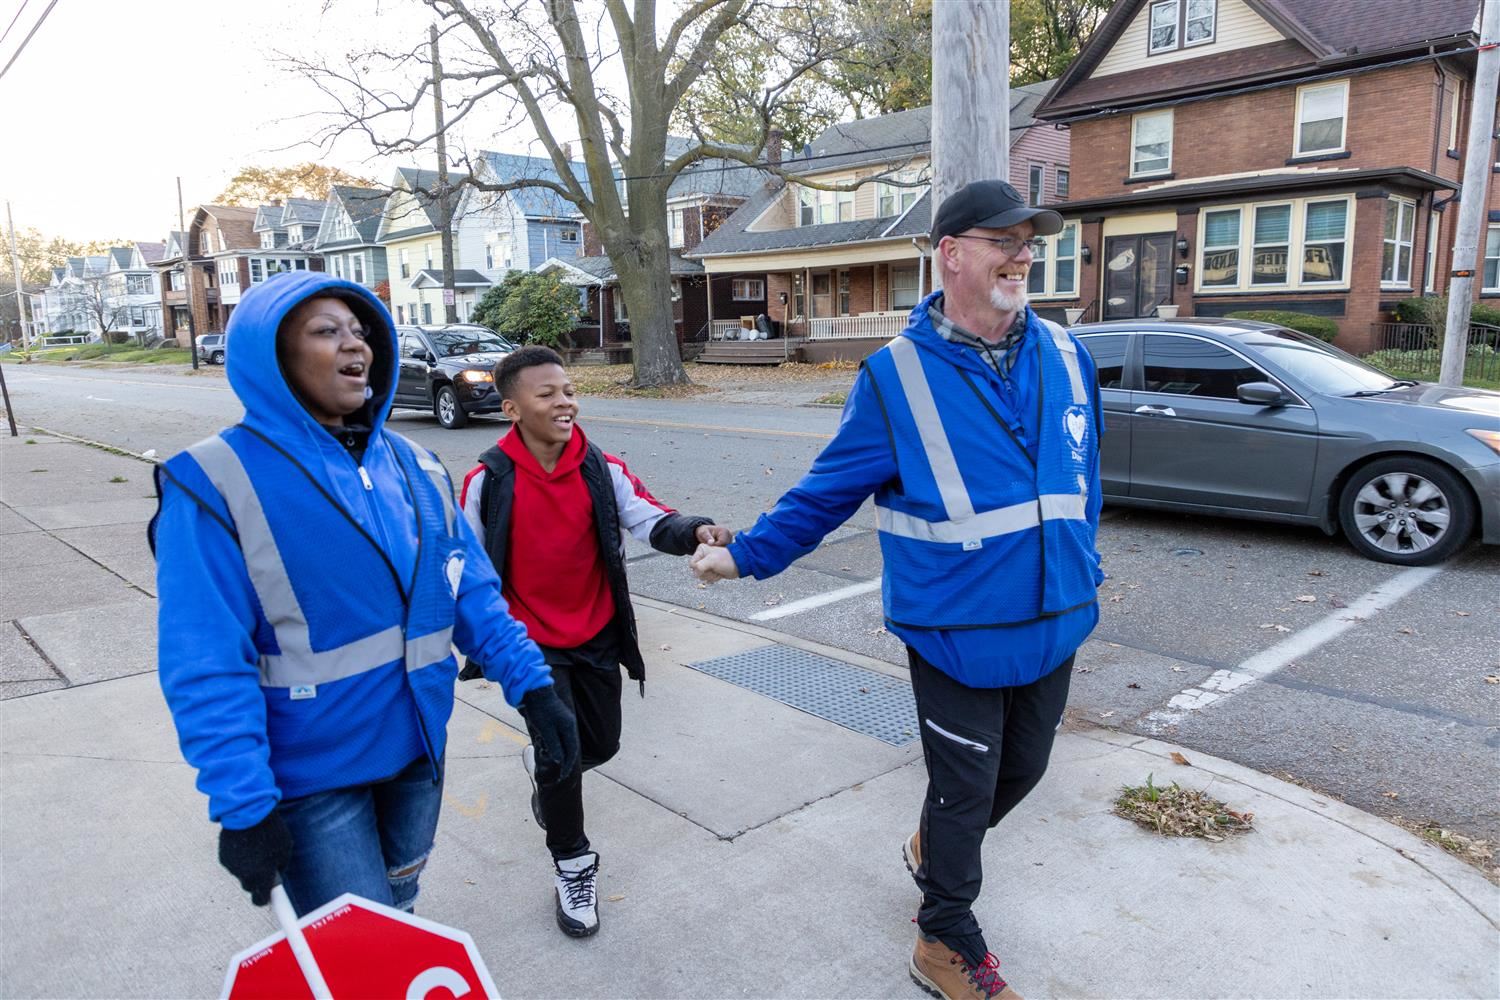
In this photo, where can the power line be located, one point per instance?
(27, 39)
(13, 21)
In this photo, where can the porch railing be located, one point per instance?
(884, 324)
(722, 328)
(1417, 349)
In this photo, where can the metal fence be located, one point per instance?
(1417, 349)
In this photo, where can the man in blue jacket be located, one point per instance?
(977, 431)
(314, 575)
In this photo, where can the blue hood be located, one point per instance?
(255, 373)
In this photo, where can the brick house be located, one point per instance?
(839, 271)
(1265, 154)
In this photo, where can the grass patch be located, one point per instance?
(118, 479)
(1476, 852)
(1174, 811)
(833, 398)
(124, 353)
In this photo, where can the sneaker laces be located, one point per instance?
(985, 977)
(579, 886)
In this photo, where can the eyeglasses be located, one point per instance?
(1009, 245)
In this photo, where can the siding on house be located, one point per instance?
(1236, 27)
(1042, 145)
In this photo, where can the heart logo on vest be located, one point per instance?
(1077, 424)
(454, 570)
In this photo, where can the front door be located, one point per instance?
(1137, 274)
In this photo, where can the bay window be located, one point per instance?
(1396, 244)
(1296, 244)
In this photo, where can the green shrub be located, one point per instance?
(529, 308)
(1317, 326)
(117, 337)
(1432, 310)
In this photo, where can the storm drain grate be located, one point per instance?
(853, 697)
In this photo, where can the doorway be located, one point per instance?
(1137, 274)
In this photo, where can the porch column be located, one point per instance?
(921, 277)
(709, 276)
(601, 316)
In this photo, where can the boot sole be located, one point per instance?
(911, 864)
(927, 985)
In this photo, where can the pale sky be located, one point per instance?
(113, 99)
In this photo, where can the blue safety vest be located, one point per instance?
(338, 662)
(974, 533)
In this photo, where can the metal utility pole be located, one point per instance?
(15, 271)
(1471, 205)
(445, 211)
(187, 278)
(970, 96)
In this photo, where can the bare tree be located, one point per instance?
(526, 65)
(90, 298)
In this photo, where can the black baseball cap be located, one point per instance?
(990, 205)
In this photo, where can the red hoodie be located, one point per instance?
(554, 574)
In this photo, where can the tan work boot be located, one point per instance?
(911, 852)
(943, 972)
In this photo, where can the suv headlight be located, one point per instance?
(477, 376)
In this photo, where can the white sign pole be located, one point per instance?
(287, 918)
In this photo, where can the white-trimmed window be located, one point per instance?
(1325, 241)
(1300, 243)
(568, 236)
(1063, 178)
(1455, 105)
(1034, 185)
(904, 285)
(428, 248)
(1395, 258)
(820, 207)
(893, 200)
(1492, 259)
(676, 230)
(747, 289)
(1054, 266)
(1177, 24)
(357, 268)
(1151, 143)
(405, 263)
(1434, 226)
(268, 240)
(1322, 118)
(1270, 250)
(338, 266)
(843, 303)
(1219, 266)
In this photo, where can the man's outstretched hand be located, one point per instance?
(712, 563)
(713, 534)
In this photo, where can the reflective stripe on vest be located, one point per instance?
(963, 524)
(439, 477)
(298, 663)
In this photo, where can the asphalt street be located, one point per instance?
(1271, 646)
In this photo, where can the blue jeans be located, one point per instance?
(371, 840)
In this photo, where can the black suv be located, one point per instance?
(449, 370)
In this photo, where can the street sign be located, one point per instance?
(366, 951)
(447, 296)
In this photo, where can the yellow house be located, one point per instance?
(414, 254)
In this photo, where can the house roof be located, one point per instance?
(535, 202)
(152, 252)
(598, 270)
(121, 257)
(302, 211)
(1318, 34)
(462, 278)
(236, 224)
(364, 206)
(415, 181)
(712, 176)
(1260, 182)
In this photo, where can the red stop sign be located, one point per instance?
(366, 951)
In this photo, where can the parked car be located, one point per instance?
(211, 348)
(1252, 420)
(449, 370)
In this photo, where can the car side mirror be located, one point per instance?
(1261, 394)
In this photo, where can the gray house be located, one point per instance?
(346, 230)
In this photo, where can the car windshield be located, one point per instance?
(1321, 367)
(456, 340)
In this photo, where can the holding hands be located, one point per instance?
(713, 534)
(713, 563)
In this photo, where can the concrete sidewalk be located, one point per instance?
(748, 848)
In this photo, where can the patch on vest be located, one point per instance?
(301, 692)
(454, 569)
(1076, 424)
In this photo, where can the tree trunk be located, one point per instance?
(643, 263)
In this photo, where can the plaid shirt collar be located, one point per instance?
(994, 354)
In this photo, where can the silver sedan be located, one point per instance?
(1246, 419)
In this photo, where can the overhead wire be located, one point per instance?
(29, 35)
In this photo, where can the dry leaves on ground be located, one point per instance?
(1475, 852)
(1175, 811)
(1178, 758)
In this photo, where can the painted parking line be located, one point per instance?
(816, 601)
(1222, 684)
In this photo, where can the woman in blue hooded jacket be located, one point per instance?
(313, 576)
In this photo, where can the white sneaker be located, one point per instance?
(577, 901)
(528, 761)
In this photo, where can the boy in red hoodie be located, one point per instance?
(552, 510)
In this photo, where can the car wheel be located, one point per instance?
(449, 413)
(217, 358)
(1407, 511)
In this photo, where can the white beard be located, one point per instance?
(1006, 302)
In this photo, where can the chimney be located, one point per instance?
(773, 145)
(567, 150)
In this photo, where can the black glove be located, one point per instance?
(554, 731)
(256, 855)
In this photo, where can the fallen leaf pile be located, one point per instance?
(1174, 811)
(1476, 852)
